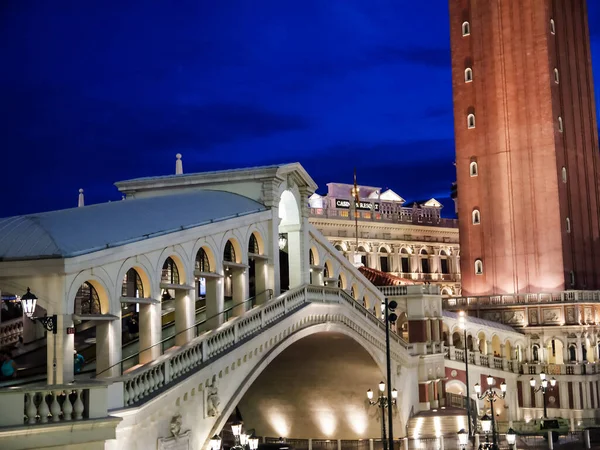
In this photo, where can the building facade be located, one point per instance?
(526, 146)
(410, 241)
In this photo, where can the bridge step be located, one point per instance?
(440, 423)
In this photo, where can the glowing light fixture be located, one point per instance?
(477, 388)
(486, 423)
(215, 442)
(244, 439)
(282, 241)
(253, 442)
(511, 437)
(542, 376)
(370, 394)
(236, 428)
(381, 386)
(28, 302)
(490, 380)
(463, 438)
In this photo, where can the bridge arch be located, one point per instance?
(277, 350)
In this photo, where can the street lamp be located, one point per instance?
(490, 395)
(382, 402)
(511, 437)
(462, 320)
(236, 429)
(463, 438)
(215, 442)
(253, 442)
(543, 388)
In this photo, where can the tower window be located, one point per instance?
(471, 121)
(473, 170)
(478, 267)
(552, 27)
(572, 278)
(468, 75)
(568, 225)
(556, 80)
(564, 175)
(466, 29)
(560, 124)
(476, 216)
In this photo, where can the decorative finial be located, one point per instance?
(81, 201)
(178, 165)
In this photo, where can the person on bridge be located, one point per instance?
(9, 367)
(79, 362)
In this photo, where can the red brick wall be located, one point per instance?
(417, 331)
(519, 150)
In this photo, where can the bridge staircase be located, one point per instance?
(450, 417)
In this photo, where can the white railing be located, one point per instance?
(144, 381)
(562, 369)
(10, 331)
(522, 299)
(424, 289)
(51, 404)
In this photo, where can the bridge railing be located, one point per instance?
(144, 382)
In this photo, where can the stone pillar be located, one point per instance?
(578, 352)
(150, 323)
(296, 257)
(215, 303)
(108, 347)
(64, 351)
(317, 277)
(261, 275)
(490, 350)
(239, 284)
(184, 316)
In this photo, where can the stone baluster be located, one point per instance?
(30, 408)
(78, 406)
(55, 407)
(43, 410)
(67, 407)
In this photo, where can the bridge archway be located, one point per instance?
(264, 408)
(291, 242)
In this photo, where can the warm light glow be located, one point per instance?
(544, 384)
(28, 303)
(279, 423)
(326, 421)
(462, 320)
(244, 439)
(503, 387)
(477, 388)
(394, 394)
(437, 425)
(418, 426)
(370, 394)
(463, 438)
(532, 383)
(511, 436)
(486, 424)
(381, 386)
(253, 442)
(553, 382)
(490, 380)
(357, 418)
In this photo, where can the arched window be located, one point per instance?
(253, 245)
(353, 292)
(476, 217)
(87, 300)
(311, 257)
(535, 353)
(444, 265)
(556, 80)
(471, 121)
(478, 267)
(424, 256)
(564, 175)
(340, 282)
(552, 27)
(132, 285)
(326, 271)
(384, 260)
(170, 273)
(405, 260)
(202, 261)
(229, 252)
(560, 124)
(473, 169)
(468, 75)
(568, 225)
(363, 256)
(466, 29)
(572, 278)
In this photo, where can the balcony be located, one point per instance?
(493, 301)
(406, 216)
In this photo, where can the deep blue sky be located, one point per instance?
(96, 92)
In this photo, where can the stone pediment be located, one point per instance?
(391, 196)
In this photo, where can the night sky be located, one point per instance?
(97, 92)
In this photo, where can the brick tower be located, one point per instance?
(526, 146)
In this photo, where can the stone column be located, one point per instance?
(108, 347)
(215, 303)
(261, 275)
(239, 285)
(64, 351)
(490, 350)
(578, 352)
(317, 277)
(150, 323)
(184, 316)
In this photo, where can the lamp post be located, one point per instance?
(543, 388)
(28, 303)
(462, 320)
(463, 438)
(383, 402)
(511, 438)
(490, 395)
(215, 442)
(486, 427)
(390, 317)
(236, 429)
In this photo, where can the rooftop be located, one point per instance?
(77, 231)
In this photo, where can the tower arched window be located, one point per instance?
(478, 267)
(132, 285)
(560, 124)
(471, 121)
(572, 278)
(473, 169)
(468, 75)
(466, 29)
(564, 175)
(556, 79)
(202, 261)
(229, 252)
(568, 225)
(87, 300)
(476, 216)
(253, 245)
(552, 27)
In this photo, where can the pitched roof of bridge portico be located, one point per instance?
(487, 323)
(213, 179)
(77, 231)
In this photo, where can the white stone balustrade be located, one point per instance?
(53, 403)
(142, 382)
(522, 299)
(418, 289)
(10, 331)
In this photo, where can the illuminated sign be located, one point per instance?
(361, 206)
